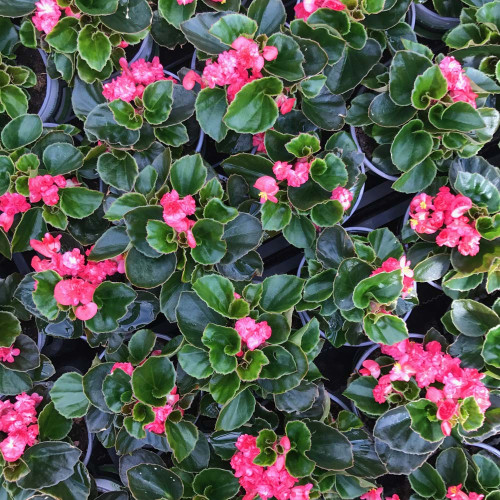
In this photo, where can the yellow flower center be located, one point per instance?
(263, 194)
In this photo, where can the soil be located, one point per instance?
(34, 61)
(79, 435)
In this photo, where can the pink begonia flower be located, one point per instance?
(295, 176)
(253, 334)
(46, 16)
(343, 195)
(266, 482)
(184, 2)
(258, 142)
(370, 368)
(86, 311)
(267, 188)
(429, 365)
(459, 84)
(456, 493)
(11, 204)
(126, 367)
(393, 497)
(7, 354)
(233, 68)
(175, 214)
(428, 215)
(19, 422)
(123, 44)
(162, 413)
(134, 79)
(73, 292)
(304, 9)
(374, 494)
(49, 246)
(46, 188)
(285, 104)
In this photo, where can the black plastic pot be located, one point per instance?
(432, 21)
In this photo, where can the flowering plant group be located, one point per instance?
(185, 310)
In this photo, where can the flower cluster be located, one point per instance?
(459, 84)
(429, 365)
(84, 277)
(175, 212)
(296, 175)
(376, 494)
(19, 421)
(445, 212)
(7, 354)
(285, 104)
(392, 264)
(304, 9)
(161, 412)
(48, 13)
(267, 482)
(343, 195)
(258, 142)
(456, 493)
(10, 205)
(134, 79)
(233, 68)
(46, 188)
(253, 334)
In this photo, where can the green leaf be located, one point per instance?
(117, 390)
(195, 362)
(18, 9)
(216, 484)
(136, 221)
(31, 227)
(125, 115)
(188, 175)
(329, 172)
(350, 273)
(182, 437)
(300, 232)
(460, 116)
(480, 190)
(471, 416)
(333, 246)
(288, 63)
(61, 158)
(64, 35)
(303, 145)
(148, 272)
(406, 66)
(280, 293)
(10, 328)
(153, 380)
(319, 287)
(430, 86)
(432, 268)
(68, 396)
(384, 288)
(21, 131)
(411, 145)
(421, 412)
(218, 293)
(210, 248)
(112, 243)
(53, 426)
(223, 344)
(488, 473)
(228, 28)
(241, 235)
(196, 31)
(94, 47)
(174, 135)
(140, 345)
(473, 318)
(253, 110)
(417, 178)
(97, 7)
(361, 392)
(491, 347)
(48, 463)
(79, 202)
(174, 12)
(160, 236)
(385, 328)
(427, 482)
(384, 112)
(275, 216)
(489, 227)
(113, 300)
(268, 14)
(237, 412)
(157, 99)
(330, 449)
(125, 204)
(14, 100)
(118, 170)
(132, 16)
(211, 106)
(224, 387)
(43, 296)
(148, 481)
(452, 466)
